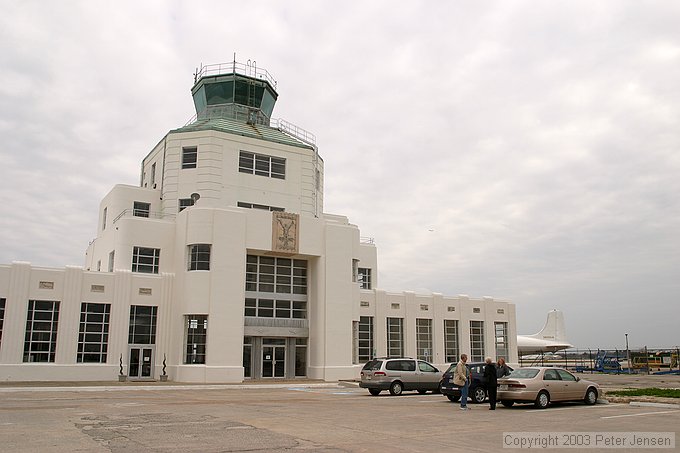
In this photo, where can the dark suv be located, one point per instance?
(477, 390)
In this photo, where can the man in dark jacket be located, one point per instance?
(491, 382)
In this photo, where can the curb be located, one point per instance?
(661, 405)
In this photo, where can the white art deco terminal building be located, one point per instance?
(222, 266)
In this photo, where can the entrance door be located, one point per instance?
(141, 362)
(273, 361)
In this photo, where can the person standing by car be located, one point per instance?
(491, 382)
(461, 377)
(502, 369)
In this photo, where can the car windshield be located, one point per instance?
(373, 365)
(523, 373)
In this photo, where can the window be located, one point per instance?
(141, 209)
(276, 275)
(142, 324)
(153, 174)
(364, 278)
(424, 339)
(262, 165)
(199, 257)
(501, 339)
(270, 308)
(401, 365)
(300, 357)
(476, 341)
(355, 271)
(2, 316)
(99, 265)
(145, 260)
(247, 356)
(185, 203)
(93, 337)
(196, 334)
(365, 339)
(41, 331)
(242, 204)
(112, 255)
(189, 157)
(395, 337)
(451, 340)
(104, 219)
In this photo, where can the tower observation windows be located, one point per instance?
(262, 165)
(189, 157)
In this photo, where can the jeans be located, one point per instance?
(464, 394)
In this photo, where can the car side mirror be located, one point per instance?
(436, 370)
(578, 378)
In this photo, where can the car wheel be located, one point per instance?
(478, 395)
(396, 388)
(422, 391)
(507, 403)
(374, 392)
(591, 396)
(542, 400)
(453, 398)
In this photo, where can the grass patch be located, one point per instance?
(663, 393)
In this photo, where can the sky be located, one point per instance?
(523, 150)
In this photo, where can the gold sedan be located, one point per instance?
(541, 385)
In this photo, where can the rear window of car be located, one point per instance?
(373, 365)
(524, 373)
(401, 365)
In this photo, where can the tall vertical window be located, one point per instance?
(395, 337)
(145, 260)
(112, 257)
(424, 339)
(300, 357)
(262, 165)
(99, 265)
(2, 316)
(142, 324)
(247, 356)
(153, 174)
(141, 209)
(364, 278)
(365, 343)
(185, 203)
(476, 341)
(93, 337)
(189, 157)
(196, 334)
(451, 350)
(42, 321)
(104, 219)
(199, 257)
(501, 339)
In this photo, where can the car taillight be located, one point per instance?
(517, 386)
(379, 373)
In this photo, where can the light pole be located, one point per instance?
(627, 354)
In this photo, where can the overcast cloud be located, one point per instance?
(525, 150)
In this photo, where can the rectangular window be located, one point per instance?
(189, 157)
(99, 265)
(142, 324)
(141, 209)
(199, 257)
(476, 341)
(243, 204)
(196, 334)
(247, 356)
(395, 337)
(365, 278)
(424, 339)
(451, 340)
(501, 339)
(145, 260)
(153, 174)
(2, 316)
(112, 255)
(104, 219)
(185, 203)
(269, 308)
(276, 275)
(93, 337)
(300, 357)
(365, 343)
(42, 321)
(262, 165)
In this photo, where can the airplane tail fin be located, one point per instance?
(553, 330)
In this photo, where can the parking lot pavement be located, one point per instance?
(322, 418)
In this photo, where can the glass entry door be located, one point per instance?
(141, 362)
(273, 361)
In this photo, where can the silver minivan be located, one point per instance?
(399, 374)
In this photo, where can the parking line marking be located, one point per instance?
(643, 413)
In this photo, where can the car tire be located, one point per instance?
(542, 400)
(507, 403)
(478, 395)
(422, 391)
(453, 398)
(396, 388)
(591, 396)
(374, 392)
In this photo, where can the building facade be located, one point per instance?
(222, 266)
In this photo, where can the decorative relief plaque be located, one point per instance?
(285, 232)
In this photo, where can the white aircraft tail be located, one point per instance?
(553, 330)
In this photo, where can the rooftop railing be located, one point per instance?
(143, 214)
(248, 69)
